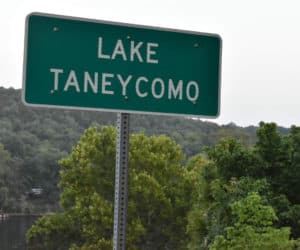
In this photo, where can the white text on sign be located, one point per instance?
(112, 83)
(133, 54)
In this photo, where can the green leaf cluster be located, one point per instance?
(160, 194)
(253, 229)
(247, 196)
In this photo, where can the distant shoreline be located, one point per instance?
(7, 215)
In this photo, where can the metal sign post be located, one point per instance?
(121, 182)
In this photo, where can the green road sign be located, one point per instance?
(98, 65)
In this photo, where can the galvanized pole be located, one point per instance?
(121, 182)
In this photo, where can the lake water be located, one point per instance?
(13, 230)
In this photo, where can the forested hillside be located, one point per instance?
(233, 197)
(32, 140)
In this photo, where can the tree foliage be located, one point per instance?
(171, 206)
(156, 178)
(38, 138)
(234, 171)
(253, 228)
(9, 185)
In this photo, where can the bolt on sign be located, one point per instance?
(98, 65)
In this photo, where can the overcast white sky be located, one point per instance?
(261, 46)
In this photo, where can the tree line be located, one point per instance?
(192, 184)
(231, 196)
(34, 139)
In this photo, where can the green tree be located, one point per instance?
(271, 168)
(228, 175)
(156, 178)
(281, 160)
(199, 175)
(253, 228)
(9, 186)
